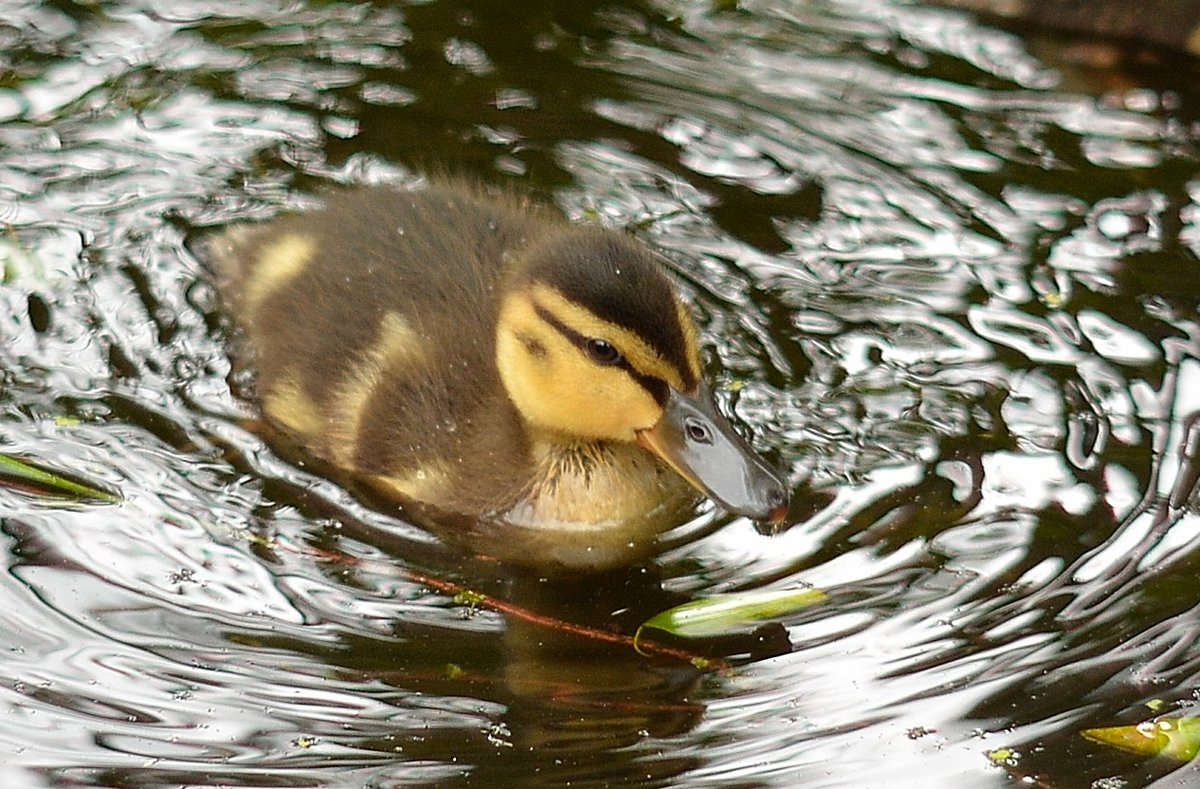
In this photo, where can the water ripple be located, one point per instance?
(948, 290)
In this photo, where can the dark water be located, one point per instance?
(949, 278)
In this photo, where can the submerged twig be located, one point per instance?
(467, 596)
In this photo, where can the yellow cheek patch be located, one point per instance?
(287, 404)
(637, 351)
(278, 263)
(556, 387)
(398, 346)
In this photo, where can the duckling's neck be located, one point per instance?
(598, 482)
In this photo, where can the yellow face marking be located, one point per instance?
(278, 263)
(1193, 42)
(639, 353)
(399, 346)
(288, 404)
(691, 337)
(554, 384)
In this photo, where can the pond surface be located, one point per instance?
(948, 278)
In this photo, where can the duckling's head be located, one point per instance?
(594, 344)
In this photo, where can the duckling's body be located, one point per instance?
(451, 349)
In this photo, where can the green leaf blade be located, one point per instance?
(50, 484)
(729, 613)
(1176, 738)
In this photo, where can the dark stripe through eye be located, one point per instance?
(604, 352)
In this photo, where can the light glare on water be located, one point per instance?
(946, 276)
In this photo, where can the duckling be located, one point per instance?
(529, 388)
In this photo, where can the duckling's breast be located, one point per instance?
(588, 506)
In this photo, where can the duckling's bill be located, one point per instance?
(702, 447)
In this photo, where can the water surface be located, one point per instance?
(947, 277)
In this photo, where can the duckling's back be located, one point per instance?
(372, 328)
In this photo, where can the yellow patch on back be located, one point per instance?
(398, 346)
(278, 263)
(1193, 42)
(422, 485)
(289, 405)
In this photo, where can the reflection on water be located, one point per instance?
(949, 284)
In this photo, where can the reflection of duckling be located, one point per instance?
(481, 360)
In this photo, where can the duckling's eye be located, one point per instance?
(697, 432)
(602, 351)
